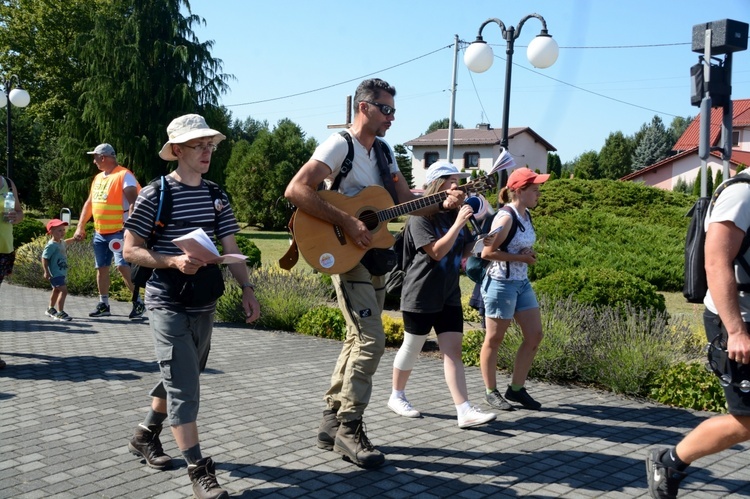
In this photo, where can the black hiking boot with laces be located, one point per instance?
(353, 444)
(203, 476)
(146, 444)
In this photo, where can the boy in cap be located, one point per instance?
(55, 264)
(111, 198)
(182, 325)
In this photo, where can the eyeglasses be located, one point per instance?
(384, 108)
(201, 148)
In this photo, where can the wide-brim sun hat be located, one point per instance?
(184, 129)
(441, 169)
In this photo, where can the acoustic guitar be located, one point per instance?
(329, 250)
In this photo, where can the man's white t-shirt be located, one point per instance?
(364, 171)
(733, 205)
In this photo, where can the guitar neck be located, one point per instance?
(418, 204)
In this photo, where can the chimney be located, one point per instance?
(483, 126)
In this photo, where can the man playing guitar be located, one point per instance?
(360, 294)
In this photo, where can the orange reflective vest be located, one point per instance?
(107, 200)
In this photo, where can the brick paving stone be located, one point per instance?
(73, 392)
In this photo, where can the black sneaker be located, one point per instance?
(51, 312)
(101, 310)
(497, 401)
(663, 482)
(138, 310)
(522, 397)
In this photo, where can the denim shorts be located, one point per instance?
(58, 281)
(502, 299)
(102, 253)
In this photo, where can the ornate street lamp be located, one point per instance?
(542, 53)
(17, 97)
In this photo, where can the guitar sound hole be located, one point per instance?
(370, 219)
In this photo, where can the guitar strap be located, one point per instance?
(382, 154)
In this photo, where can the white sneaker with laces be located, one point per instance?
(402, 407)
(474, 417)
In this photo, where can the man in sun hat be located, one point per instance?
(360, 293)
(111, 197)
(182, 322)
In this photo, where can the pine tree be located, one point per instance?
(654, 146)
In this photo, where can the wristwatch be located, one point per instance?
(247, 285)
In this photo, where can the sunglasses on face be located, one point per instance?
(384, 108)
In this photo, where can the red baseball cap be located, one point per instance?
(522, 177)
(55, 222)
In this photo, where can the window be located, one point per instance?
(735, 138)
(471, 160)
(430, 157)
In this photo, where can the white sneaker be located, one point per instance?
(402, 407)
(474, 417)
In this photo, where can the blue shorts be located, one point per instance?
(58, 281)
(502, 299)
(102, 253)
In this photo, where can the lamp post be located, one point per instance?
(542, 53)
(17, 97)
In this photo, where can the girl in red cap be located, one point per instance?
(507, 292)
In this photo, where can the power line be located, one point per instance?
(358, 78)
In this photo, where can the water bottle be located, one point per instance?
(9, 205)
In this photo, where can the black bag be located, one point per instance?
(196, 290)
(379, 261)
(695, 288)
(140, 275)
(394, 280)
(476, 268)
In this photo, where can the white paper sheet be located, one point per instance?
(198, 245)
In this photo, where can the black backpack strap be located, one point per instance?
(384, 165)
(216, 200)
(348, 163)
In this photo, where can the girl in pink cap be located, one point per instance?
(507, 292)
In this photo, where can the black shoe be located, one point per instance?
(327, 430)
(101, 310)
(138, 310)
(353, 444)
(522, 397)
(497, 401)
(146, 444)
(203, 476)
(663, 482)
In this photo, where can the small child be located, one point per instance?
(55, 264)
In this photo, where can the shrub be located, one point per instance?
(471, 346)
(248, 248)
(324, 322)
(394, 331)
(470, 313)
(27, 230)
(285, 296)
(601, 287)
(690, 386)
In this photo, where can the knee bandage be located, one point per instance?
(409, 351)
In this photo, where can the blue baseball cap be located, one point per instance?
(440, 169)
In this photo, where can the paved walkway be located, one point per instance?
(73, 392)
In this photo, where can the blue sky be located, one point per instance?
(620, 62)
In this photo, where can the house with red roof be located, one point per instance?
(477, 149)
(685, 163)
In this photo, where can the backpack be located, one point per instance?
(696, 286)
(140, 275)
(394, 280)
(476, 266)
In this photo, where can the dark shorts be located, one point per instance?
(450, 319)
(58, 281)
(738, 403)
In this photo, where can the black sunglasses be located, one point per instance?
(384, 108)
